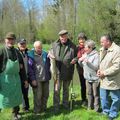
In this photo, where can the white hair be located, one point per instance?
(37, 43)
(90, 43)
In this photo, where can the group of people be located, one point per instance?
(99, 74)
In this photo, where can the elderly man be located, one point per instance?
(109, 74)
(11, 65)
(39, 75)
(64, 52)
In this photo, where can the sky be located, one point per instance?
(38, 2)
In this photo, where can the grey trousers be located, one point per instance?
(41, 94)
(93, 95)
(57, 87)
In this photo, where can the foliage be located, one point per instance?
(42, 20)
(78, 113)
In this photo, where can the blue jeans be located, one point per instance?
(110, 107)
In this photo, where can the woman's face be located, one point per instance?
(88, 49)
(81, 42)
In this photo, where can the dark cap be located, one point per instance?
(10, 35)
(22, 41)
(82, 36)
(63, 32)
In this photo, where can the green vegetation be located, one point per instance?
(43, 19)
(78, 113)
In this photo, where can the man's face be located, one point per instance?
(104, 42)
(9, 42)
(63, 38)
(22, 46)
(38, 49)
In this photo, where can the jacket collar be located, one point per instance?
(58, 42)
(110, 49)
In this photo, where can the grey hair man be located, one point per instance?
(39, 71)
(64, 52)
(109, 73)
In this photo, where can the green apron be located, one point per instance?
(10, 85)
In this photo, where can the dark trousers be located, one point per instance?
(82, 82)
(57, 88)
(25, 97)
(15, 110)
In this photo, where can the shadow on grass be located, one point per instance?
(50, 112)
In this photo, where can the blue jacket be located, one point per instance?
(31, 62)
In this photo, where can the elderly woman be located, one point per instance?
(80, 51)
(90, 63)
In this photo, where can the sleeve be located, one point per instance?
(31, 69)
(95, 64)
(80, 63)
(1, 59)
(115, 67)
(23, 74)
(75, 54)
(75, 50)
(47, 68)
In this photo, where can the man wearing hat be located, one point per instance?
(64, 52)
(22, 47)
(11, 65)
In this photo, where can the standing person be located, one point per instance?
(39, 75)
(109, 74)
(90, 63)
(22, 47)
(64, 52)
(80, 51)
(11, 64)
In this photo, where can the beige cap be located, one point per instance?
(63, 32)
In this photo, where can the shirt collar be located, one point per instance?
(109, 49)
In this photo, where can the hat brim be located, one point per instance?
(10, 38)
(22, 42)
(63, 33)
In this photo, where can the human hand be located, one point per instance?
(50, 55)
(100, 74)
(86, 60)
(21, 66)
(73, 61)
(82, 58)
(26, 84)
(34, 83)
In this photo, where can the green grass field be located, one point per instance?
(78, 112)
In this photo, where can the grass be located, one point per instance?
(78, 112)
